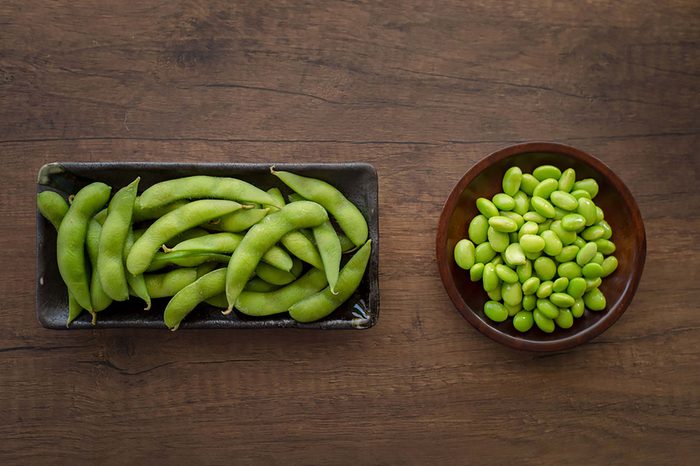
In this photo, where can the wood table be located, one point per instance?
(422, 90)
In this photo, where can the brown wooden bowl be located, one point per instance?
(621, 212)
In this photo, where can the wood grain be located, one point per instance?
(422, 90)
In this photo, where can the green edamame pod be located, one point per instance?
(74, 309)
(203, 187)
(116, 227)
(137, 284)
(277, 195)
(218, 301)
(276, 276)
(100, 300)
(324, 302)
(165, 285)
(329, 248)
(186, 235)
(302, 247)
(257, 284)
(141, 214)
(185, 259)
(52, 206)
(179, 220)
(345, 244)
(263, 304)
(261, 237)
(238, 221)
(70, 245)
(348, 216)
(190, 296)
(511, 180)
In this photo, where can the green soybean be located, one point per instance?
(532, 243)
(528, 183)
(594, 300)
(495, 294)
(592, 270)
(607, 230)
(600, 215)
(573, 222)
(598, 258)
(476, 272)
(578, 308)
(589, 185)
(165, 285)
(579, 242)
(560, 285)
(567, 180)
(565, 319)
(593, 233)
(465, 254)
(524, 271)
(592, 283)
(561, 300)
(70, 245)
(484, 253)
(528, 228)
(511, 180)
(522, 203)
(523, 321)
(545, 268)
(568, 253)
(512, 309)
(478, 229)
(547, 308)
(569, 270)
(545, 188)
(517, 218)
(564, 200)
(263, 304)
(490, 278)
(530, 285)
(576, 288)
(580, 193)
(529, 302)
(486, 207)
(503, 224)
(609, 265)
(542, 206)
(545, 289)
(606, 247)
(499, 240)
(514, 255)
(495, 311)
(546, 171)
(506, 274)
(586, 254)
(511, 293)
(534, 217)
(567, 237)
(587, 209)
(503, 201)
(543, 323)
(552, 243)
(324, 302)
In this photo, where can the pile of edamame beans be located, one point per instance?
(540, 248)
(209, 239)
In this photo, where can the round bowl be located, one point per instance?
(621, 212)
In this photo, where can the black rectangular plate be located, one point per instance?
(357, 181)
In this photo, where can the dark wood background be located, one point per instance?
(422, 90)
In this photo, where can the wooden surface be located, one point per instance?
(422, 90)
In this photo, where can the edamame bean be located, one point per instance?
(465, 254)
(190, 296)
(530, 285)
(476, 272)
(529, 302)
(569, 270)
(568, 253)
(593, 233)
(534, 217)
(517, 218)
(589, 185)
(565, 319)
(263, 304)
(564, 200)
(586, 253)
(606, 247)
(490, 279)
(594, 300)
(607, 230)
(598, 258)
(545, 188)
(200, 187)
(502, 224)
(495, 311)
(499, 240)
(486, 207)
(514, 309)
(70, 245)
(513, 237)
(592, 270)
(579, 242)
(329, 248)
(552, 243)
(587, 209)
(511, 293)
(522, 203)
(545, 289)
(503, 201)
(110, 261)
(524, 271)
(542, 206)
(484, 253)
(545, 268)
(546, 171)
(573, 222)
(237, 221)
(506, 274)
(528, 228)
(348, 216)
(609, 265)
(542, 322)
(478, 229)
(514, 255)
(523, 321)
(559, 213)
(561, 300)
(579, 193)
(495, 294)
(324, 302)
(532, 243)
(165, 285)
(547, 309)
(533, 255)
(600, 215)
(592, 283)
(528, 183)
(578, 308)
(181, 219)
(567, 180)
(263, 236)
(511, 180)
(560, 285)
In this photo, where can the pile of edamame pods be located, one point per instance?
(540, 248)
(210, 239)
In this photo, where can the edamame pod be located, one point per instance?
(185, 259)
(201, 187)
(137, 284)
(321, 304)
(165, 285)
(141, 214)
(237, 221)
(302, 247)
(100, 300)
(70, 245)
(276, 276)
(190, 296)
(52, 206)
(329, 248)
(179, 220)
(263, 304)
(348, 216)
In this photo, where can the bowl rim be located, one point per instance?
(568, 341)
